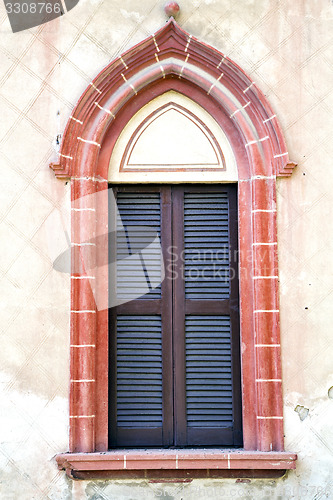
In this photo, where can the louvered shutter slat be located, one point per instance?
(175, 354)
(206, 244)
(138, 251)
(208, 345)
(209, 387)
(139, 371)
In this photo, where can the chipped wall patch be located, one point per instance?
(302, 412)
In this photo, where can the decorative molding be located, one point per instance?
(61, 171)
(97, 464)
(216, 83)
(287, 169)
(172, 53)
(127, 162)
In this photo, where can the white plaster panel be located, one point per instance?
(174, 143)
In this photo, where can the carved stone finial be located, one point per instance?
(171, 9)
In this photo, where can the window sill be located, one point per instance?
(177, 464)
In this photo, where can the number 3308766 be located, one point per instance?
(33, 8)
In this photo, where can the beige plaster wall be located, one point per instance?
(286, 47)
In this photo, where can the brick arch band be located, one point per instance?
(175, 60)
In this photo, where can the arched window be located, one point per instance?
(173, 78)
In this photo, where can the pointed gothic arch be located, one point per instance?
(193, 139)
(174, 60)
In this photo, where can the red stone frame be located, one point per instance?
(172, 59)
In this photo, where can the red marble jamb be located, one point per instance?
(101, 293)
(266, 294)
(271, 436)
(269, 395)
(86, 202)
(267, 329)
(83, 191)
(102, 186)
(81, 437)
(83, 260)
(264, 227)
(83, 296)
(83, 366)
(87, 154)
(264, 194)
(246, 318)
(266, 298)
(102, 203)
(83, 399)
(83, 227)
(102, 318)
(265, 260)
(268, 363)
(260, 165)
(83, 327)
(102, 380)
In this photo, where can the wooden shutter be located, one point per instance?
(174, 348)
(208, 371)
(138, 226)
(206, 245)
(139, 371)
(206, 331)
(140, 410)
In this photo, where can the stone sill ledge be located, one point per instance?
(176, 463)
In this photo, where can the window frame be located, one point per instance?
(173, 307)
(258, 144)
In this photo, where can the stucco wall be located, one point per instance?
(285, 46)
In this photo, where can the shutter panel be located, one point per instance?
(139, 371)
(206, 245)
(139, 413)
(139, 389)
(174, 346)
(208, 371)
(138, 245)
(205, 328)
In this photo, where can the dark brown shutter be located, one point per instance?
(139, 371)
(206, 329)
(140, 409)
(138, 225)
(206, 245)
(208, 371)
(174, 348)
